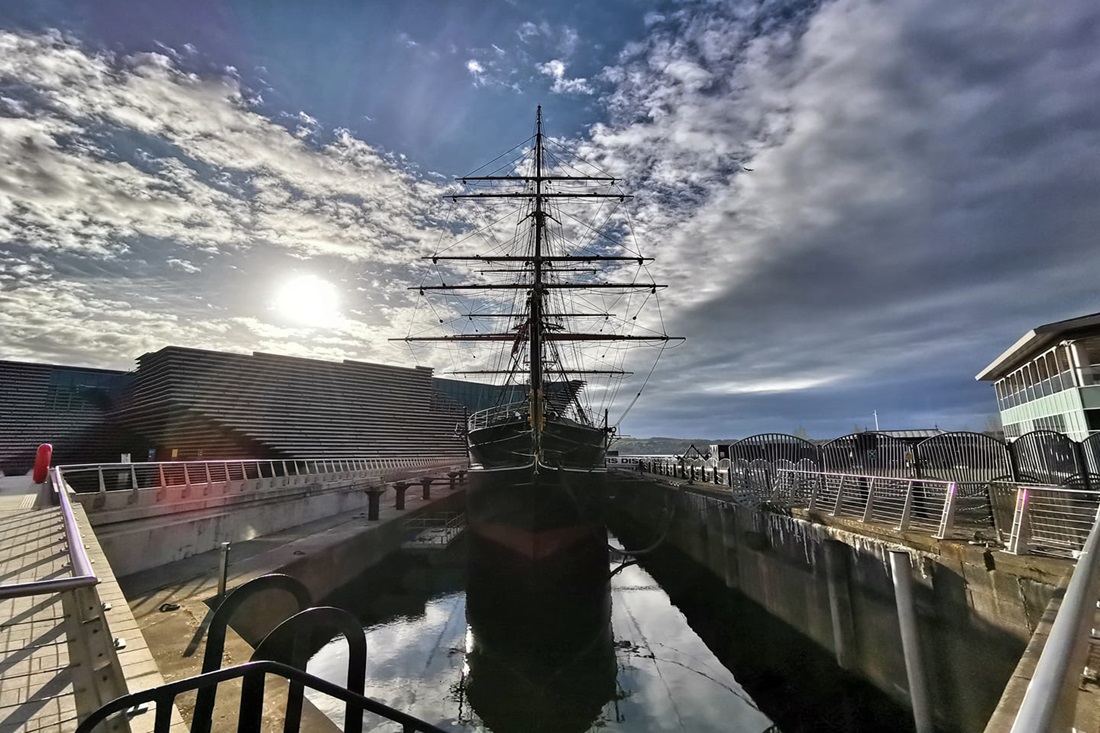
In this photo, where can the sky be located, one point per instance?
(856, 205)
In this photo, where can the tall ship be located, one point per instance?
(542, 295)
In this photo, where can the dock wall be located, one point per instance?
(147, 528)
(976, 607)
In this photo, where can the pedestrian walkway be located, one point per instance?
(63, 651)
(37, 674)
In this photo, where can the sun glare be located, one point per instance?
(308, 300)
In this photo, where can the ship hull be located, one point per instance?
(536, 509)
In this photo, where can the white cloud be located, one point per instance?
(555, 69)
(129, 191)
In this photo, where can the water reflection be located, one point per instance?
(542, 655)
(559, 649)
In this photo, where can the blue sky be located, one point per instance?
(925, 182)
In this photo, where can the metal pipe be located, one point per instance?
(902, 573)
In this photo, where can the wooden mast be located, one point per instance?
(534, 326)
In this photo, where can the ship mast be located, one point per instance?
(534, 326)
(538, 333)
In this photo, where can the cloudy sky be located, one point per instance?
(924, 184)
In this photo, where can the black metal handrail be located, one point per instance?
(250, 717)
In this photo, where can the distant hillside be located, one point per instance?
(662, 446)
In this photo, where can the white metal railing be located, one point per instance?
(82, 575)
(1051, 520)
(905, 503)
(234, 474)
(1050, 701)
(440, 529)
(499, 413)
(1028, 518)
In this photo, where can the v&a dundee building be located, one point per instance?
(1050, 379)
(183, 403)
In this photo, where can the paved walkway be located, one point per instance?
(36, 674)
(44, 684)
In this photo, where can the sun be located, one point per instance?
(308, 300)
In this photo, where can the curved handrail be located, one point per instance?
(82, 567)
(164, 696)
(219, 621)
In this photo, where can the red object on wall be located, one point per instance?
(42, 463)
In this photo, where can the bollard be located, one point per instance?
(400, 487)
(223, 572)
(373, 497)
(426, 482)
(452, 476)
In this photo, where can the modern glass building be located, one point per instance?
(1050, 379)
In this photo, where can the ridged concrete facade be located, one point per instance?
(192, 403)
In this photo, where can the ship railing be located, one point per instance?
(240, 474)
(496, 414)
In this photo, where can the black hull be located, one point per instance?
(542, 657)
(536, 509)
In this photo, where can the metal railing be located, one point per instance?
(234, 474)
(82, 575)
(439, 529)
(1050, 701)
(252, 698)
(1052, 520)
(1023, 518)
(498, 413)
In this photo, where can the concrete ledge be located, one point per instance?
(138, 666)
(136, 538)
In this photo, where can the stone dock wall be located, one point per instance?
(976, 607)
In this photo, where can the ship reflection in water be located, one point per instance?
(557, 647)
(542, 655)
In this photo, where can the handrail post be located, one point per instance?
(1020, 540)
(947, 520)
(868, 509)
(186, 481)
(907, 508)
(818, 480)
(206, 489)
(839, 497)
(162, 490)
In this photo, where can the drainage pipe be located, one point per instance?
(902, 572)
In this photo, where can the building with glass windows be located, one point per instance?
(1050, 379)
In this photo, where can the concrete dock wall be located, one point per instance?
(152, 527)
(976, 608)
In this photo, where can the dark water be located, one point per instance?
(461, 646)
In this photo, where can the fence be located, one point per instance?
(969, 459)
(233, 475)
(1022, 517)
